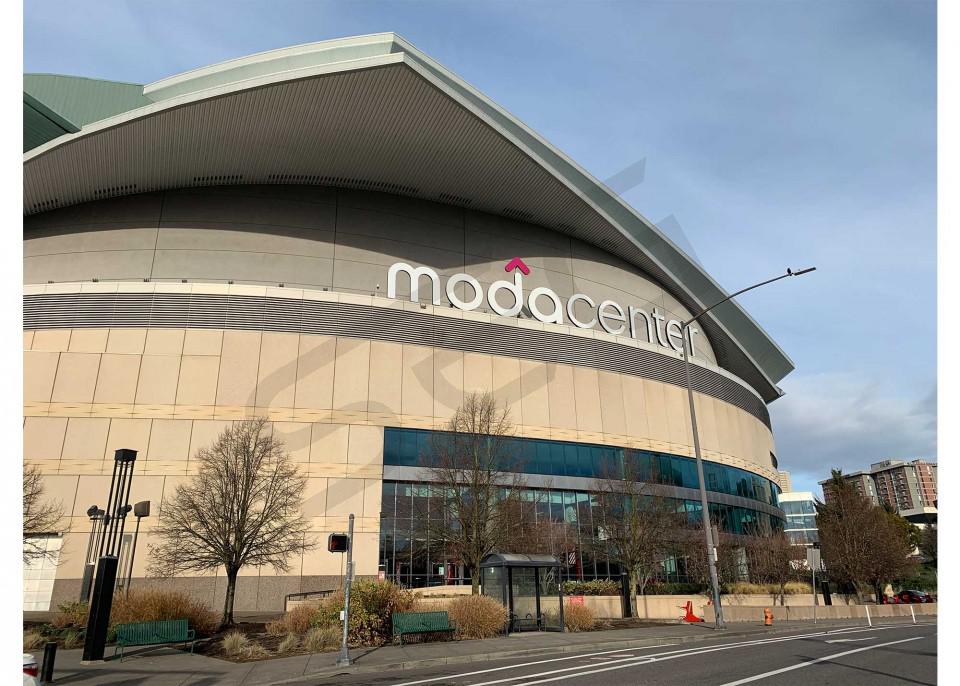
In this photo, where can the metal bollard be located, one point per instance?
(49, 657)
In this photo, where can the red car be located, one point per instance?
(911, 596)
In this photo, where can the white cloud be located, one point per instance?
(848, 421)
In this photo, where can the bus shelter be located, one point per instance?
(528, 586)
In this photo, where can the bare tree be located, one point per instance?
(242, 508)
(860, 543)
(773, 560)
(731, 565)
(633, 526)
(40, 516)
(479, 482)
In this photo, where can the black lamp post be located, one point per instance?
(102, 601)
(96, 517)
(140, 510)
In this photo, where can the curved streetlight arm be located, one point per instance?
(710, 543)
(790, 272)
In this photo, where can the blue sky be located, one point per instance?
(775, 134)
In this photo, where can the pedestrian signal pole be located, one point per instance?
(344, 659)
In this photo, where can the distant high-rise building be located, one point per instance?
(910, 488)
(783, 479)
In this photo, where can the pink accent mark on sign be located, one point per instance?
(517, 263)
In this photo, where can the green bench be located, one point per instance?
(153, 633)
(420, 623)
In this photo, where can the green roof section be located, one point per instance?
(54, 104)
(41, 124)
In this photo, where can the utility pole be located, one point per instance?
(343, 659)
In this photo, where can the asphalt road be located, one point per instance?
(881, 656)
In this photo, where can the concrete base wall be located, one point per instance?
(755, 614)
(260, 594)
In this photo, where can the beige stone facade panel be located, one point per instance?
(240, 362)
(170, 440)
(277, 374)
(76, 378)
(89, 340)
(199, 376)
(39, 374)
(202, 342)
(534, 398)
(447, 382)
(127, 341)
(386, 378)
(164, 342)
(477, 373)
(86, 439)
(117, 379)
(611, 404)
(43, 438)
(561, 396)
(417, 391)
(352, 375)
(51, 340)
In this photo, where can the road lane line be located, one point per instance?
(678, 653)
(819, 659)
(529, 664)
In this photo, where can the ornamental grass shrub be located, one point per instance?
(372, 604)
(296, 621)
(477, 616)
(32, 640)
(235, 643)
(323, 638)
(289, 643)
(149, 605)
(578, 617)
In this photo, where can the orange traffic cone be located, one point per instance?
(689, 616)
(767, 617)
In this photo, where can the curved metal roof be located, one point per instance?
(373, 112)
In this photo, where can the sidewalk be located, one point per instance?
(170, 667)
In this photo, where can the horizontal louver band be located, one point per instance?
(203, 311)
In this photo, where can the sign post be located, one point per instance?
(344, 658)
(813, 561)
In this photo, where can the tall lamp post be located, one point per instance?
(96, 517)
(711, 547)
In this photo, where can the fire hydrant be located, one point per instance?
(767, 617)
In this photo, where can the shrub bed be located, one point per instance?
(477, 616)
(372, 604)
(595, 587)
(578, 617)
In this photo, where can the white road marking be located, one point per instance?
(850, 640)
(819, 659)
(648, 658)
(525, 664)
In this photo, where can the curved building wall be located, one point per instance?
(162, 366)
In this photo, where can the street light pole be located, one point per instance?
(708, 536)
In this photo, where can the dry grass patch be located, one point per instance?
(155, 605)
(290, 643)
(477, 616)
(296, 621)
(578, 617)
(235, 643)
(32, 640)
(323, 638)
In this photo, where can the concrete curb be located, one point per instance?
(554, 650)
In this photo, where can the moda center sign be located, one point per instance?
(507, 298)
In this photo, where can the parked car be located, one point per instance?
(31, 671)
(911, 596)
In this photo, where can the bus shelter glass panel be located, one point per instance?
(551, 617)
(523, 587)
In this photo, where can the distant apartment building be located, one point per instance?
(910, 488)
(783, 480)
(801, 517)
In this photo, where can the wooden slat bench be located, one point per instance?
(420, 623)
(153, 633)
